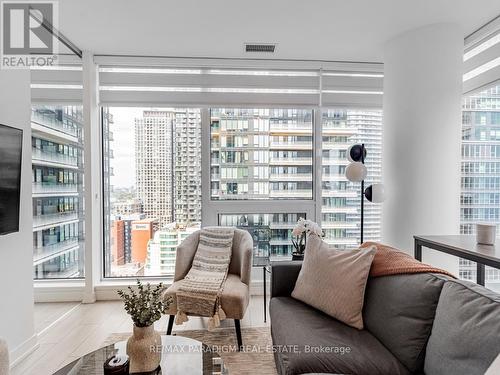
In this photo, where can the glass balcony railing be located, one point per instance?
(290, 161)
(49, 187)
(290, 128)
(291, 145)
(299, 193)
(49, 251)
(49, 120)
(55, 218)
(290, 177)
(55, 157)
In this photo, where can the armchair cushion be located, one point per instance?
(241, 256)
(234, 298)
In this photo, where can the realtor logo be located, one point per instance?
(27, 38)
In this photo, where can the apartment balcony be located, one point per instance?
(51, 189)
(53, 158)
(338, 210)
(280, 242)
(53, 219)
(291, 145)
(48, 252)
(338, 225)
(334, 161)
(214, 177)
(280, 225)
(48, 120)
(284, 129)
(294, 194)
(348, 131)
(290, 177)
(336, 145)
(290, 161)
(343, 241)
(339, 193)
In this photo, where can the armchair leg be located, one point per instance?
(170, 324)
(238, 333)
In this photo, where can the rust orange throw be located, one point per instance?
(390, 261)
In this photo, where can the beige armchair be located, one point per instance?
(236, 293)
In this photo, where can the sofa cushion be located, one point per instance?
(399, 311)
(334, 281)
(465, 337)
(320, 341)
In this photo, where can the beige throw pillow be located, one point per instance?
(334, 281)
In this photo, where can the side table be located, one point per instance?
(265, 270)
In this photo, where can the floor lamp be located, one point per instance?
(356, 172)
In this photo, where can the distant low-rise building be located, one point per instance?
(162, 249)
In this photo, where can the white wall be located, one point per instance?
(422, 136)
(16, 249)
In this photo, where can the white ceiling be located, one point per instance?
(343, 30)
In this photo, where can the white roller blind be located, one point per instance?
(482, 58)
(216, 82)
(60, 83)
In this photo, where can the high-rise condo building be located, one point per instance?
(341, 198)
(57, 178)
(267, 154)
(480, 198)
(154, 164)
(187, 167)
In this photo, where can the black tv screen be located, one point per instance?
(11, 143)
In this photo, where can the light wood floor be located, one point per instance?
(69, 330)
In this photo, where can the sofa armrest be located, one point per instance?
(283, 277)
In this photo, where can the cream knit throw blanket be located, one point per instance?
(199, 292)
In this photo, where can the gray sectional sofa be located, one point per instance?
(414, 324)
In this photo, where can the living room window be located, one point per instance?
(57, 191)
(340, 209)
(152, 187)
(480, 197)
(261, 153)
(271, 233)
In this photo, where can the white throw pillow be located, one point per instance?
(334, 281)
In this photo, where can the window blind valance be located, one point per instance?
(214, 82)
(482, 58)
(60, 83)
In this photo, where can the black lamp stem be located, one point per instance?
(362, 194)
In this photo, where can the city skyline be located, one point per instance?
(157, 156)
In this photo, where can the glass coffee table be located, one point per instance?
(180, 356)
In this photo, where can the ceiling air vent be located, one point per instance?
(260, 47)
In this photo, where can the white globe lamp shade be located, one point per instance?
(356, 172)
(375, 193)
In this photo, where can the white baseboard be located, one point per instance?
(105, 292)
(23, 350)
(58, 293)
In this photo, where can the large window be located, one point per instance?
(271, 233)
(261, 179)
(152, 183)
(261, 154)
(480, 198)
(340, 209)
(57, 185)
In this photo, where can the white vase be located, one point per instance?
(144, 349)
(486, 233)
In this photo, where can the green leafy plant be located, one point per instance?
(146, 305)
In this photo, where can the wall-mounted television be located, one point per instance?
(11, 144)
